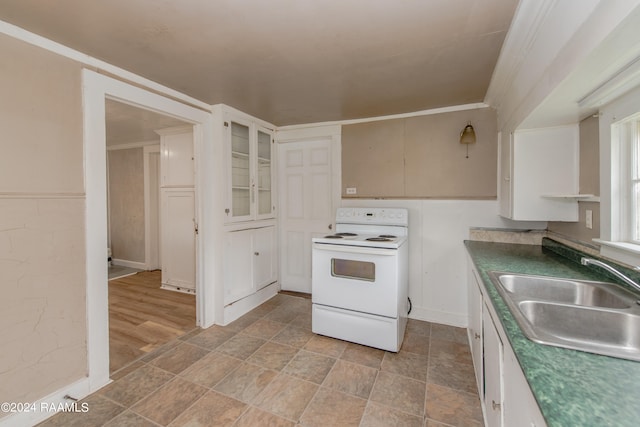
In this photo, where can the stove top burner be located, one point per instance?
(379, 239)
(333, 236)
(346, 234)
(388, 236)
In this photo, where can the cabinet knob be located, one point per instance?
(495, 406)
(256, 253)
(330, 227)
(476, 335)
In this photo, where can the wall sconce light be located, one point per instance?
(468, 136)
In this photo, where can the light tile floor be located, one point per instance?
(268, 369)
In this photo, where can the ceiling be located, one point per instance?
(290, 61)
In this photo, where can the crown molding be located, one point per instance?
(520, 39)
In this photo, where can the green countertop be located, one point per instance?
(573, 388)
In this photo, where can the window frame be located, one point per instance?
(617, 219)
(629, 178)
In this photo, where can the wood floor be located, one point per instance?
(142, 317)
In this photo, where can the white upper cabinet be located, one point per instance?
(177, 213)
(264, 173)
(538, 176)
(176, 145)
(250, 174)
(241, 153)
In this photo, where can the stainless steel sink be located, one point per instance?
(577, 292)
(597, 317)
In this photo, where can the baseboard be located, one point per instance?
(241, 307)
(130, 264)
(178, 288)
(442, 317)
(48, 406)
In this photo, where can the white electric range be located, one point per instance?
(360, 278)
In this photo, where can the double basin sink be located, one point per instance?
(597, 317)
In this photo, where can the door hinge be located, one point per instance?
(196, 228)
(226, 124)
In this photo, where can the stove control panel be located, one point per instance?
(378, 216)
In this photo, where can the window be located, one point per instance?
(620, 179)
(627, 138)
(350, 269)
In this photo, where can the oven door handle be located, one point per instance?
(355, 249)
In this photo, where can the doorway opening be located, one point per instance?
(96, 89)
(146, 310)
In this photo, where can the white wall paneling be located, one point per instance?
(437, 257)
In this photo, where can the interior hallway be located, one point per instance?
(268, 368)
(143, 317)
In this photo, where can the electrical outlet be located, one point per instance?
(589, 219)
(351, 190)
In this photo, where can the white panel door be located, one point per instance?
(306, 207)
(178, 239)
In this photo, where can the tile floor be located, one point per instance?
(268, 369)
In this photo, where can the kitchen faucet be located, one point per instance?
(627, 280)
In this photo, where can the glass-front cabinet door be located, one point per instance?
(250, 172)
(264, 202)
(240, 171)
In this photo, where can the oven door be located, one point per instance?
(356, 278)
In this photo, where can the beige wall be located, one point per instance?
(421, 157)
(42, 250)
(589, 184)
(41, 121)
(126, 204)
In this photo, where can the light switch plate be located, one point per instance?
(351, 190)
(589, 219)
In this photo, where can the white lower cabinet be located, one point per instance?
(505, 395)
(250, 262)
(493, 372)
(475, 327)
(520, 408)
